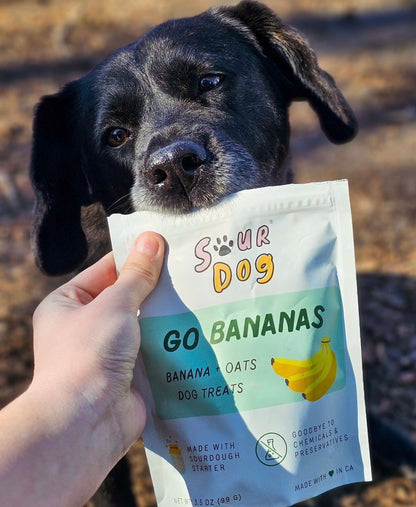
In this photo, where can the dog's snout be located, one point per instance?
(180, 160)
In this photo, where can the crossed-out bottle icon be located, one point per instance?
(271, 449)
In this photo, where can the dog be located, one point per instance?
(193, 111)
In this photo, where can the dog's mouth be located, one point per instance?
(186, 175)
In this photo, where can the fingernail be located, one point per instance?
(147, 244)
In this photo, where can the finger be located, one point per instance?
(97, 277)
(85, 286)
(141, 270)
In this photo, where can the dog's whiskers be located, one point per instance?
(120, 201)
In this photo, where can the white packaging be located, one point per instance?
(251, 350)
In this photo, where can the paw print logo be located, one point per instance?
(224, 246)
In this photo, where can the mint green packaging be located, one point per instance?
(251, 359)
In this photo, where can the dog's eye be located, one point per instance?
(116, 137)
(209, 82)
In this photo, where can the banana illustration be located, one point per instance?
(322, 384)
(312, 377)
(301, 381)
(288, 367)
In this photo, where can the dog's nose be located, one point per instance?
(177, 161)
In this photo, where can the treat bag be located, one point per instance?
(250, 360)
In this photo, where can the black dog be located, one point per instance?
(193, 111)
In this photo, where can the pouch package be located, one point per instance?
(250, 360)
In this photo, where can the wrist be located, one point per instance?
(112, 419)
(71, 437)
(49, 451)
(63, 444)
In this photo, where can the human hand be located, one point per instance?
(80, 414)
(86, 335)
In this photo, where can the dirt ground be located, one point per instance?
(369, 47)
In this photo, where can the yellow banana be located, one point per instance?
(322, 384)
(312, 377)
(288, 367)
(301, 381)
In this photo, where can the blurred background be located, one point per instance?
(369, 46)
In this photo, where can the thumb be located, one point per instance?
(141, 270)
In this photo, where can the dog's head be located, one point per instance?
(193, 111)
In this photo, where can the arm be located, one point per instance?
(62, 436)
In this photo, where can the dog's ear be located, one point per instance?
(298, 64)
(60, 186)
